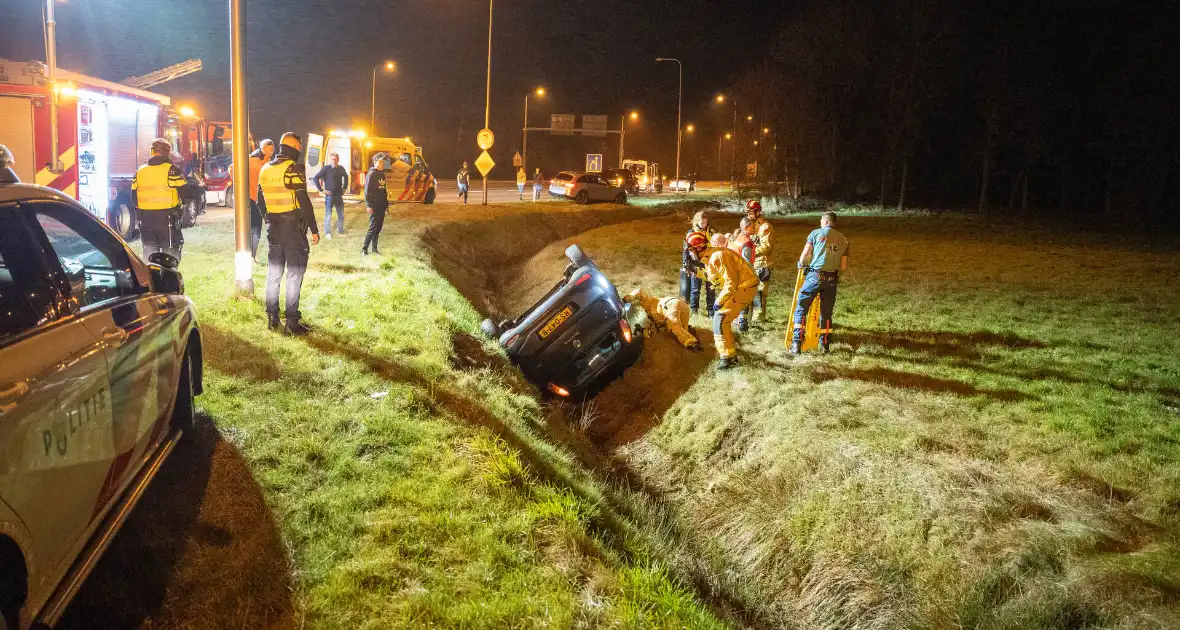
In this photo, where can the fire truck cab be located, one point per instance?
(104, 133)
(408, 180)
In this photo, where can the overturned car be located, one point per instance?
(577, 337)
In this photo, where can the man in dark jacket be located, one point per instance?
(289, 215)
(376, 201)
(332, 181)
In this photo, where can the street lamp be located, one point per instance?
(727, 136)
(690, 128)
(524, 149)
(679, 101)
(389, 67)
(733, 152)
(634, 116)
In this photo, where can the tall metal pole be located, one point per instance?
(487, 104)
(622, 137)
(373, 105)
(55, 165)
(524, 149)
(719, 169)
(733, 149)
(240, 111)
(679, 102)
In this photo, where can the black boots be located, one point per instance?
(297, 328)
(272, 321)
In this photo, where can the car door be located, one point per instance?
(600, 190)
(131, 323)
(56, 444)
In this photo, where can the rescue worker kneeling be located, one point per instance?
(669, 312)
(289, 215)
(157, 191)
(736, 286)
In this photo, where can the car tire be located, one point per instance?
(13, 586)
(429, 198)
(122, 217)
(490, 329)
(188, 215)
(183, 411)
(621, 197)
(578, 257)
(583, 198)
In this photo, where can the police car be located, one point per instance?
(100, 358)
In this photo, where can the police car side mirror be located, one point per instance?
(165, 280)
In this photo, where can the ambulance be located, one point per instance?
(104, 133)
(648, 174)
(408, 180)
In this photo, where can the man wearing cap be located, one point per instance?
(289, 215)
(157, 192)
(823, 257)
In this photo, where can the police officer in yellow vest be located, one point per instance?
(289, 215)
(157, 192)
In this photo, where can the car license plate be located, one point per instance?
(556, 322)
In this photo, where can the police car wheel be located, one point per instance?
(12, 584)
(182, 411)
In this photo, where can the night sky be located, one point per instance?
(310, 63)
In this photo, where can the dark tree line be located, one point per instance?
(1029, 107)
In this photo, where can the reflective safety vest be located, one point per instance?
(155, 187)
(273, 181)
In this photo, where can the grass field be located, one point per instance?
(993, 442)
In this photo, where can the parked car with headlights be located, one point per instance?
(586, 187)
(623, 178)
(100, 359)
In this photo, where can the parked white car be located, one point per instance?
(586, 187)
(100, 358)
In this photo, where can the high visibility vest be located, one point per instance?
(273, 181)
(156, 187)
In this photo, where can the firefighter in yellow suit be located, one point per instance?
(669, 312)
(763, 245)
(157, 192)
(736, 286)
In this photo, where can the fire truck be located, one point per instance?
(105, 131)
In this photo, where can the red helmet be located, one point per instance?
(697, 241)
(754, 206)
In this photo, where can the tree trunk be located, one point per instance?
(905, 172)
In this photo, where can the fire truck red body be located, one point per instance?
(105, 131)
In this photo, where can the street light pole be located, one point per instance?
(389, 65)
(487, 104)
(622, 137)
(679, 102)
(524, 149)
(240, 112)
(55, 165)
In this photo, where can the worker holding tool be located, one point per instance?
(761, 232)
(736, 285)
(692, 271)
(822, 259)
(289, 215)
(157, 191)
(669, 312)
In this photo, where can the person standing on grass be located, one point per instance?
(332, 180)
(692, 271)
(761, 232)
(521, 178)
(538, 182)
(464, 181)
(376, 201)
(289, 215)
(824, 255)
(258, 157)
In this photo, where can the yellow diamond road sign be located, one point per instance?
(484, 163)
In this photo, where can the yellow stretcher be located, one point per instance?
(810, 323)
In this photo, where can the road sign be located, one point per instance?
(517, 160)
(485, 139)
(594, 125)
(593, 162)
(484, 163)
(562, 124)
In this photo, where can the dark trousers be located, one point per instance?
(159, 232)
(333, 200)
(820, 284)
(287, 259)
(255, 228)
(463, 192)
(376, 222)
(691, 291)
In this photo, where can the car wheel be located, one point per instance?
(121, 218)
(489, 328)
(621, 198)
(188, 215)
(429, 198)
(583, 198)
(183, 410)
(578, 257)
(228, 200)
(13, 585)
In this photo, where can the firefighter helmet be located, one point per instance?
(754, 206)
(697, 241)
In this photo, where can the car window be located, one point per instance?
(405, 158)
(26, 297)
(418, 163)
(563, 177)
(95, 263)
